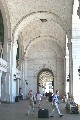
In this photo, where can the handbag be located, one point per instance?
(34, 101)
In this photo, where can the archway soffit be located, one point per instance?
(36, 16)
(6, 19)
(44, 70)
(45, 36)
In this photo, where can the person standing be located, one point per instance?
(31, 103)
(39, 98)
(55, 103)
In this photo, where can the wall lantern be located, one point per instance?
(68, 78)
(14, 77)
(26, 82)
(79, 72)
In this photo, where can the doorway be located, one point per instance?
(45, 81)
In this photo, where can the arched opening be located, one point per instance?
(45, 80)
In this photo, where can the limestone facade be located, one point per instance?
(39, 28)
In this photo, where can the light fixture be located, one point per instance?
(79, 72)
(68, 78)
(43, 20)
(15, 77)
(26, 82)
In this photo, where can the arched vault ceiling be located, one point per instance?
(20, 8)
(36, 17)
(48, 29)
(45, 46)
(45, 77)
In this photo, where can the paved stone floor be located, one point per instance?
(17, 111)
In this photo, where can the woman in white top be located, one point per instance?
(39, 98)
(31, 102)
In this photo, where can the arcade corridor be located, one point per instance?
(17, 111)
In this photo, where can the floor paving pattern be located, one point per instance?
(17, 111)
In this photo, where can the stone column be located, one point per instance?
(3, 86)
(64, 74)
(22, 60)
(11, 63)
(13, 72)
(17, 86)
(24, 82)
(23, 78)
(70, 69)
(0, 83)
(8, 70)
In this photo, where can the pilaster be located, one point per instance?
(8, 77)
(11, 62)
(3, 87)
(70, 69)
(13, 72)
(17, 86)
(23, 77)
(64, 74)
(22, 59)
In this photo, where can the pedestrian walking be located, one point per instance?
(55, 103)
(31, 103)
(39, 98)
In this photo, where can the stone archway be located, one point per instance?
(37, 16)
(45, 75)
(7, 26)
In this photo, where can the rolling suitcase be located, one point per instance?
(16, 99)
(43, 113)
